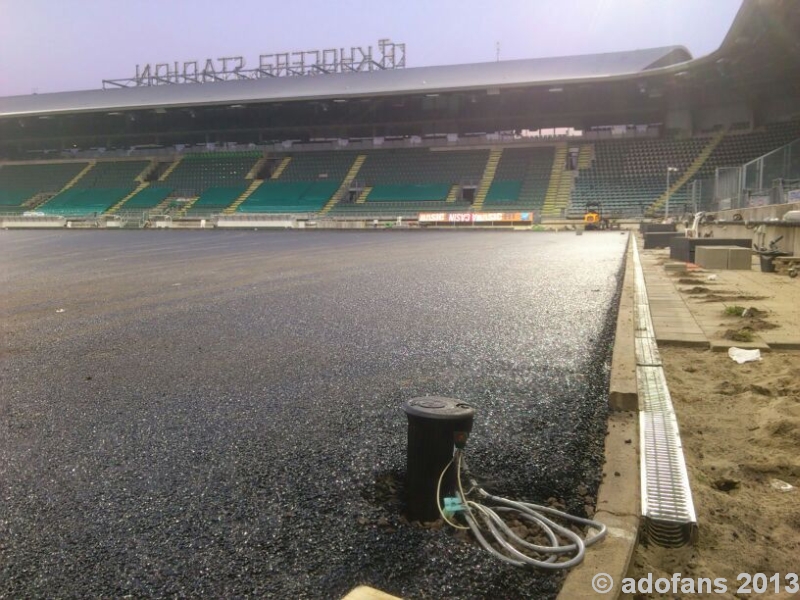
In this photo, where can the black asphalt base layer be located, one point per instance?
(218, 414)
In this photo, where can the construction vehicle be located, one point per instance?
(593, 218)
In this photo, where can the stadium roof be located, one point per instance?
(420, 80)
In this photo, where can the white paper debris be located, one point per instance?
(741, 356)
(712, 277)
(781, 486)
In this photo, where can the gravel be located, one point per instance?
(218, 414)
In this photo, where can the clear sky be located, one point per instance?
(59, 45)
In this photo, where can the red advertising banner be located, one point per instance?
(475, 217)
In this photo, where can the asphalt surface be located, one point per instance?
(218, 414)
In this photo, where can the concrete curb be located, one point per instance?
(364, 592)
(784, 346)
(622, 392)
(680, 343)
(618, 499)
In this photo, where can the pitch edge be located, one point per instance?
(618, 499)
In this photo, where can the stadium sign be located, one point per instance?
(285, 64)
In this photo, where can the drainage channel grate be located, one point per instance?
(647, 352)
(667, 505)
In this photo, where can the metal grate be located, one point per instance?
(667, 504)
(647, 354)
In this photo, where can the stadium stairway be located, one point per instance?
(565, 187)
(171, 168)
(488, 177)
(142, 185)
(362, 197)
(281, 167)
(254, 185)
(585, 156)
(554, 198)
(79, 176)
(185, 208)
(690, 172)
(253, 174)
(452, 195)
(37, 200)
(345, 186)
(147, 171)
(162, 206)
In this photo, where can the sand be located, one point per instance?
(740, 425)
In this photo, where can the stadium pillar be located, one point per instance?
(670, 170)
(435, 426)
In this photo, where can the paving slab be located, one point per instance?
(673, 322)
(776, 296)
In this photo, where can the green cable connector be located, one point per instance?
(452, 505)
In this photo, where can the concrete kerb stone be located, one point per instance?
(784, 345)
(364, 592)
(618, 499)
(622, 393)
(610, 557)
(681, 341)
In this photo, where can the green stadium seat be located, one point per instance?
(289, 197)
(215, 200)
(79, 202)
(145, 199)
(411, 193)
(21, 182)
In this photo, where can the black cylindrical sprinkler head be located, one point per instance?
(435, 426)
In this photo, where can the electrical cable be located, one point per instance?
(566, 548)
(439, 495)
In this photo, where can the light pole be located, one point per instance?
(670, 170)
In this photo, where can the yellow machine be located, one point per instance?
(593, 218)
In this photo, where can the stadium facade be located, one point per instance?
(396, 142)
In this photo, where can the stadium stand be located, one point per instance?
(212, 180)
(198, 172)
(213, 200)
(146, 199)
(628, 176)
(82, 202)
(405, 181)
(98, 189)
(738, 148)
(489, 170)
(114, 174)
(521, 179)
(302, 182)
(13, 198)
(318, 166)
(22, 187)
(289, 197)
(409, 192)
